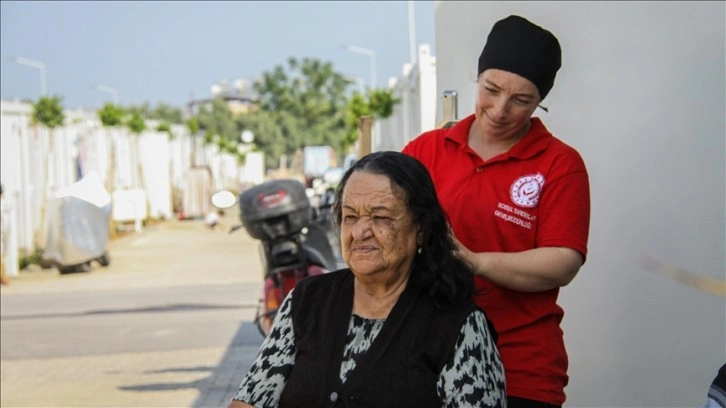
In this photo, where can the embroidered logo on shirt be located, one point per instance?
(526, 189)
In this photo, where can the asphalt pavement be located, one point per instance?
(170, 318)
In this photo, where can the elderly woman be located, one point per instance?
(397, 329)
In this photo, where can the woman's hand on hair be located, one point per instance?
(534, 270)
(461, 251)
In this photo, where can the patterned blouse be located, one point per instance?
(473, 378)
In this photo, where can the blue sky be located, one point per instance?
(164, 51)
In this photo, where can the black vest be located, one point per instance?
(402, 365)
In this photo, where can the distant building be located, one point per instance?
(238, 105)
(239, 99)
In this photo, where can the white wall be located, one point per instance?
(416, 112)
(156, 158)
(642, 96)
(149, 164)
(16, 170)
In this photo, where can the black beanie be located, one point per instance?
(517, 45)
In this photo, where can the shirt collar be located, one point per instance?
(534, 141)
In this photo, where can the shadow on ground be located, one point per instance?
(177, 307)
(218, 388)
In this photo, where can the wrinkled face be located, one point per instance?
(505, 102)
(376, 230)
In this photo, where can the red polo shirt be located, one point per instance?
(535, 195)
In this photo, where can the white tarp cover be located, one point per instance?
(77, 222)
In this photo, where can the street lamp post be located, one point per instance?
(108, 89)
(371, 54)
(411, 33)
(35, 64)
(376, 130)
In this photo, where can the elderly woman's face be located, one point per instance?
(377, 231)
(505, 102)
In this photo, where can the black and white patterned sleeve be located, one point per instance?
(263, 384)
(474, 377)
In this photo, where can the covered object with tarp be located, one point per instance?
(77, 226)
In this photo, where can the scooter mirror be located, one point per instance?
(223, 199)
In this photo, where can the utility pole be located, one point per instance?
(412, 52)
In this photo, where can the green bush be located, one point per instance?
(33, 258)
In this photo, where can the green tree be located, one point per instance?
(48, 112)
(193, 125)
(111, 115)
(302, 104)
(216, 118)
(269, 135)
(357, 106)
(143, 110)
(379, 103)
(227, 146)
(162, 112)
(136, 123)
(382, 102)
(165, 127)
(168, 113)
(210, 137)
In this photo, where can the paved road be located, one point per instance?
(167, 324)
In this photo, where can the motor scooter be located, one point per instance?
(297, 240)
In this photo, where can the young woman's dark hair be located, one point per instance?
(436, 265)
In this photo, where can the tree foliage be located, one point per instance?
(227, 146)
(220, 127)
(357, 107)
(193, 125)
(302, 104)
(382, 102)
(163, 127)
(161, 112)
(269, 136)
(111, 115)
(217, 119)
(136, 123)
(48, 112)
(378, 103)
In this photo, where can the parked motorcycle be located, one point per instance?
(297, 239)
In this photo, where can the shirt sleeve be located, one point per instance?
(474, 376)
(564, 209)
(263, 384)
